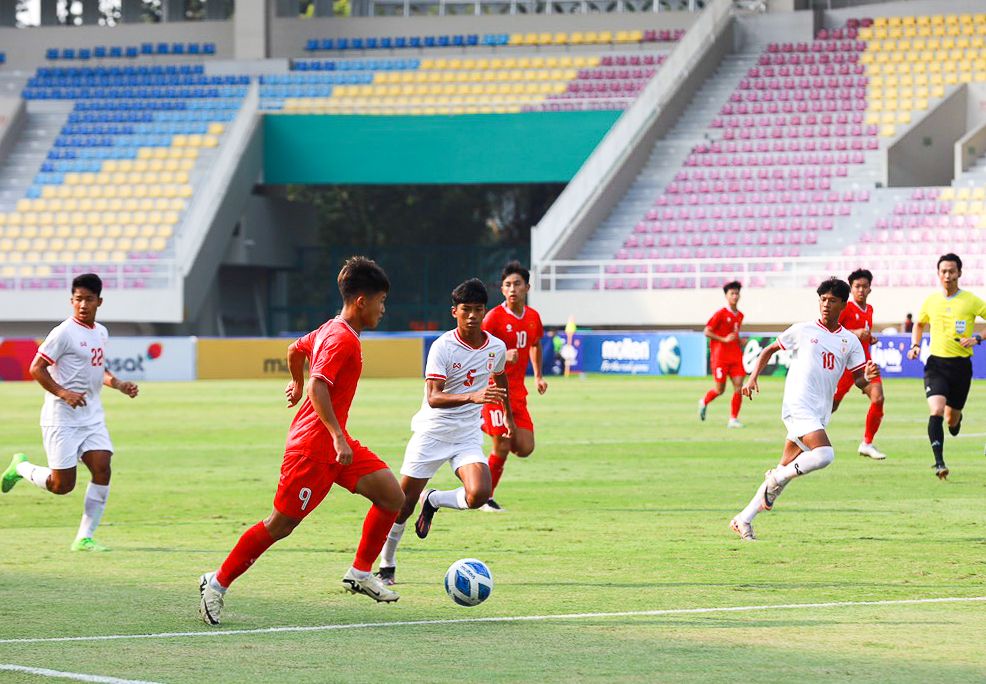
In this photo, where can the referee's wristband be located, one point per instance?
(915, 346)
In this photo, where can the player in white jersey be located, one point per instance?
(823, 351)
(447, 428)
(70, 366)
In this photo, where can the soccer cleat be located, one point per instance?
(492, 506)
(370, 585)
(701, 409)
(871, 451)
(423, 524)
(734, 423)
(10, 476)
(941, 471)
(954, 431)
(88, 544)
(387, 576)
(772, 491)
(743, 529)
(211, 603)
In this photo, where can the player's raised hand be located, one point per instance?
(293, 393)
(73, 399)
(344, 452)
(542, 385)
(871, 371)
(129, 388)
(512, 355)
(750, 388)
(490, 395)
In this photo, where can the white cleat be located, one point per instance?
(492, 506)
(211, 603)
(734, 423)
(370, 586)
(772, 491)
(743, 529)
(701, 409)
(871, 451)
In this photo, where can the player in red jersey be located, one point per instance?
(726, 354)
(857, 318)
(519, 326)
(319, 451)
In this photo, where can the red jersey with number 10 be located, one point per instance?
(336, 357)
(517, 332)
(854, 317)
(723, 322)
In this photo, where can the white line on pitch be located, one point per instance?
(515, 618)
(77, 676)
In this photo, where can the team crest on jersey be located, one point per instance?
(456, 366)
(510, 327)
(814, 340)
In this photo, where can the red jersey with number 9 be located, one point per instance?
(517, 332)
(336, 357)
(723, 322)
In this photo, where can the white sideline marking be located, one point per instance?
(77, 676)
(515, 618)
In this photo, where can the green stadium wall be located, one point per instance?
(543, 147)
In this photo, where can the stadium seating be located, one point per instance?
(460, 85)
(103, 52)
(111, 194)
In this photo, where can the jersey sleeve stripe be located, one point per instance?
(780, 344)
(46, 357)
(856, 368)
(434, 376)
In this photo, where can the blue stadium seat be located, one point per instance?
(458, 41)
(472, 40)
(443, 41)
(161, 49)
(342, 44)
(430, 41)
(386, 43)
(371, 43)
(85, 53)
(208, 48)
(146, 48)
(311, 44)
(99, 52)
(68, 53)
(132, 51)
(177, 48)
(356, 43)
(400, 42)
(116, 52)
(414, 41)
(51, 53)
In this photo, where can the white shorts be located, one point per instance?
(64, 444)
(799, 425)
(424, 455)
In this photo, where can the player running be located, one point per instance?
(952, 314)
(319, 451)
(857, 318)
(823, 351)
(70, 366)
(519, 326)
(726, 354)
(447, 428)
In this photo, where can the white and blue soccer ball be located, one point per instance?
(469, 582)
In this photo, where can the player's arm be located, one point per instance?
(320, 394)
(508, 414)
(125, 386)
(865, 374)
(296, 365)
(39, 371)
(537, 361)
(917, 332)
(439, 398)
(751, 385)
(718, 338)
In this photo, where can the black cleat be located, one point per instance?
(387, 576)
(422, 526)
(492, 506)
(954, 431)
(941, 471)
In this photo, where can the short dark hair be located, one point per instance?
(732, 285)
(89, 281)
(361, 276)
(473, 291)
(951, 256)
(860, 273)
(518, 268)
(839, 288)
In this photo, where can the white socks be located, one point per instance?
(755, 506)
(38, 475)
(95, 504)
(455, 498)
(214, 583)
(807, 461)
(388, 557)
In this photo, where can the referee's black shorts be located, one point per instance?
(950, 377)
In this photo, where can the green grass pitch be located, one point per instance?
(623, 507)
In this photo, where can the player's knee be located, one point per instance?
(524, 449)
(478, 498)
(393, 500)
(61, 486)
(825, 455)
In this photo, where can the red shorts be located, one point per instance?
(494, 420)
(727, 369)
(846, 383)
(306, 481)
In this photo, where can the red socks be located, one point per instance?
(496, 470)
(376, 527)
(873, 419)
(734, 405)
(709, 397)
(249, 548)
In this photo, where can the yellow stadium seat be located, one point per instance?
(49, 191)
(544, 39)
(560, 38)
(516, 39)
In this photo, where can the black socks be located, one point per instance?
(936, 435)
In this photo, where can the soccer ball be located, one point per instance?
(469, 582)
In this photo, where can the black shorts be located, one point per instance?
(949, 377)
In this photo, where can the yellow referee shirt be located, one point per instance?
(951, 317)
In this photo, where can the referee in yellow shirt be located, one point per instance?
(948, 371)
